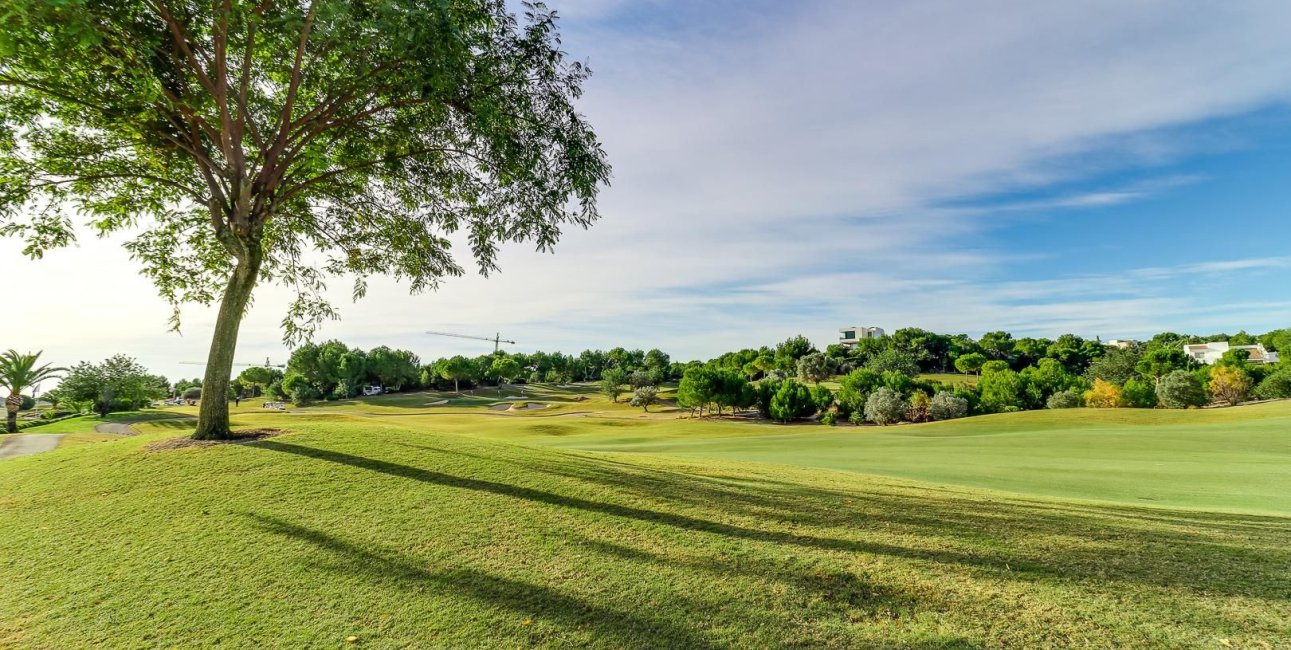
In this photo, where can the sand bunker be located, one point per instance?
(518, 406)
(439, 403)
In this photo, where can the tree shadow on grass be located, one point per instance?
(526, 599)
(1006, 538)
(684, 522)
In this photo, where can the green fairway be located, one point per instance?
(403, 525)
(1233, 459)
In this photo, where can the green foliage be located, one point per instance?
(829, 418)
(947, 406)
(856, 388)
(117, 384)
(394, 369)
(822, 397)
(1065, 399)
(612, 381)
(292, 142)
(894, 360)
(792, 401)
(788, 352)
(192, 392)
(1075, 352)
(885, 406)
(970, 363)
(506, 369)
(815, 368)
(1159, 362)
(1002, 389)
(19, 371)
(1275, 386)
(645, 397)
(1047, 377)
(998, 345)
(994, 366)
(299, 389)
(1181, 389)
(1140, 394)
(920, 407)
(1118, 366)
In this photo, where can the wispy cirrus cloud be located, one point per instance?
(793, 167)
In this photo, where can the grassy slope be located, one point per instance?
(402, 537)
(1217, 459)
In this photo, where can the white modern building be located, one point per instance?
(850, 335)
(1121, 343)
(1211, 352)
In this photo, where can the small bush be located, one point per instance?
(920, 407)
(1104, 395)
(1276, 385)
(829, 419)
(1181, 389)
(947, 406)
(1140, 394)
(1229, 385)
(1065, 399)
(792, 401)
(856, 418)
(1011, 409)
(885, 407)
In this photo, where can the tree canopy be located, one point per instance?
(290, 141)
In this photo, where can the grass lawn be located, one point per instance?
(951, 378)
(422, 528)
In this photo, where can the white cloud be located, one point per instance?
(783, 167)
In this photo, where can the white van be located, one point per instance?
(369, 391)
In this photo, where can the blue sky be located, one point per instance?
(1107, 168)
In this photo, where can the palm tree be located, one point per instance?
(18, 371)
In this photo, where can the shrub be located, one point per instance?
(1065, 399)
(1104, 395)
(1002, 389)
(1011, 409)
(857, 417)
(885, 407)
(822, 397)
(1139, 394)
(792, 401)
(1181, 389)
(947, 406)
(645, 397)
(894, 360)
(194, 392)
(994, 366)
(1229, 385)
(856, 388)
(920, 407)
(1276, 385)
(829, 419)
(641, 379)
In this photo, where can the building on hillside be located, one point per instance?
(1123, 344)
(850, 335)
(1213, 351)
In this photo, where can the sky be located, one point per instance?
(1110, 169)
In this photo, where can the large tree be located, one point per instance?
(19, 371)
(290, 140)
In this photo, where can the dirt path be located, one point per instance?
(14, 446)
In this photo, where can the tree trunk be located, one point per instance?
(11, 406)
(213, 412)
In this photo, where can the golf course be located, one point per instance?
(553, 517)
